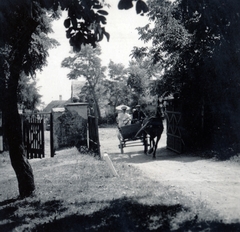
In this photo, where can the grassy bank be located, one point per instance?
(77, 192)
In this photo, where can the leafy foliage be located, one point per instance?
(141, 6)
(87, 64)
(142, 81)
(28, 96)
(85, 22)
(197, 42)
(116, 90)
(16, 37)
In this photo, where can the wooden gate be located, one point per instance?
(93, 136)
(33, 135)
(174, 127)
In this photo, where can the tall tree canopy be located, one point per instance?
(87, 64)
(28, 96)
(115, 86)
(198, 43)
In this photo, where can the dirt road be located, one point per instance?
(216, 183)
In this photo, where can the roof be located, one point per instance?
(54, 104)
(59, 109)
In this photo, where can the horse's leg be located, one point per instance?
(157, 140)
(156, 144)
(145, 142)
(152, 144)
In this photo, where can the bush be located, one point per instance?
(109, 120)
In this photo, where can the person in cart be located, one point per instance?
(123, 118)
(138, 115)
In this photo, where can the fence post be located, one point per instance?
(52, 149)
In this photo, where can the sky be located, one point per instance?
(121, 24)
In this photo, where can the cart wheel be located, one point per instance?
(121, 147)
(121, 143)
(146, 144)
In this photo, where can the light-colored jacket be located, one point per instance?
(123, 119)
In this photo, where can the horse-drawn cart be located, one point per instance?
(127, 137)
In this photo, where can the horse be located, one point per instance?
(153, 126)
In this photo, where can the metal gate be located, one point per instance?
(174, 127)
(33, 135)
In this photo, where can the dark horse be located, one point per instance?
(153, 126)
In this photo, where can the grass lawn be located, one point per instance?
(76, 192)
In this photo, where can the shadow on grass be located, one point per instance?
(128, 215)
(11, 218)
(8, 201)
(121, 215)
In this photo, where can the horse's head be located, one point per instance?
(159, 112)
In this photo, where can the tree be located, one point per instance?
(198, 43)
(86, 63)
(116, 89)
(131, 86)
(28, 96)
(140, 80)
(215, 68)
(169, 39)
(143, 78)
(23, 49)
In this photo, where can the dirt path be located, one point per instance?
(215, 183)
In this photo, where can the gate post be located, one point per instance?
(42, 137)
(52, 150)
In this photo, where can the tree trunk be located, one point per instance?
(13, 132)
(96, 104)
(12, 120)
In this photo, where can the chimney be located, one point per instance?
(60, 97)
